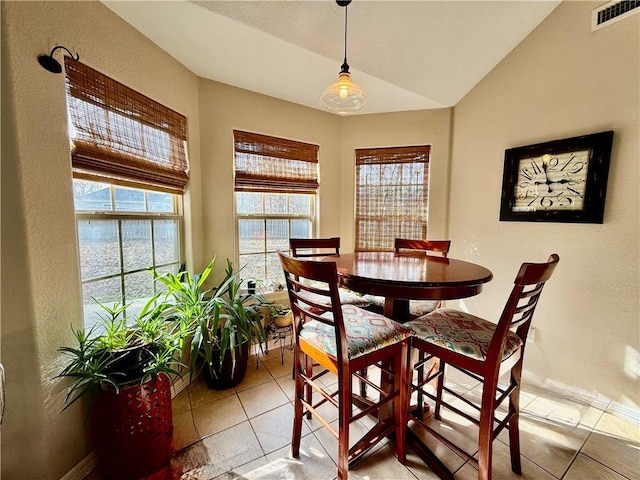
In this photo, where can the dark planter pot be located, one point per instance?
(132, 431)
(233, 369)
(128, 364)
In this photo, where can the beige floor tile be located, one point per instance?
(615, 442)
(502, 468)
(261, 399)
(562, 411)
(382, 464)
(247, 430)
(274, 428)
(550, 445)
(287, 384)
(276, 367)
(314, 463)
(330, 443)
(457, 429)
(184, 431)
(240, 472)
(231, 448)
(180, 403)
(216, 416)
(254, 376)
(584, 467)
(200, 393)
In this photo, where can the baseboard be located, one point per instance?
(625, 412)
(82, 469)
(585, 397)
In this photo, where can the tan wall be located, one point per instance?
(40, 271)
(561, 81)
(224, 108)
(424, 127)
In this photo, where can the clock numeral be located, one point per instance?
(574, 191)
(526, 173)
(535, 167)
(546, 202)
(576, 167)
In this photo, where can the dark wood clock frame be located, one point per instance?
(599, 146)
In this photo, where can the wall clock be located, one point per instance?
(558, 181)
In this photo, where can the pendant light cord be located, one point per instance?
(345, 65)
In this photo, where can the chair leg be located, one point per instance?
(420, 379)
(299, 359)
(485, 435)
(363, 384)
(309, 389)
(402, 373)
(514, 410)
(344, 417)
(439, 387)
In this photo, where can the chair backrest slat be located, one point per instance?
(522, 303)
(303, 275)
(314, 247)
(440, 247)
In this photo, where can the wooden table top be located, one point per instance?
(410, 275)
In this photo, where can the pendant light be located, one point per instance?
(343, 96)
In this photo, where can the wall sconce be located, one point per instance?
(51, 64)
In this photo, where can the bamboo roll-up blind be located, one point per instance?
(121, 136)
(269, 164)
(391, 195)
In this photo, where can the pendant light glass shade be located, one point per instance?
(343, 96)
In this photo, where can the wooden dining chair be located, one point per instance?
(344, 339)
(322, 247)
(429, 247)
(484, 351)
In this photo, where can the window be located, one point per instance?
(275, 183)
(130, 168)
(391, 195)
(122, 232)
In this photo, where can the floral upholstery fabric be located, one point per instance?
(346, 298)
(366, 331)
(422, 307)
(416, 307)
(461, 332)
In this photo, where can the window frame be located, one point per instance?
(416, 154)
(123, 215)
(312, 217)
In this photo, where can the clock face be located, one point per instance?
(552, 182)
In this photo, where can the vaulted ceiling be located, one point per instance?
(406, 55)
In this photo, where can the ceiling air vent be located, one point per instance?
(612, 12)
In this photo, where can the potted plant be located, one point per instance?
(223, 322)
(279, 314)
(126, 367)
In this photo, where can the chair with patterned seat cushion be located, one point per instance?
(429, 247)
(322, 247)
(484, 351)
(343, 340)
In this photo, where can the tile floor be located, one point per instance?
(245, 433)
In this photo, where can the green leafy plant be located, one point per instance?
(216, 319)
(115, 352)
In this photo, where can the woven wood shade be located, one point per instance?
(121, 136)
(391, 195)
(270, 164)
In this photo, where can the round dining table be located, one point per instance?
(408, 275)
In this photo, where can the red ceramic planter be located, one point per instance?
(132, 431)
